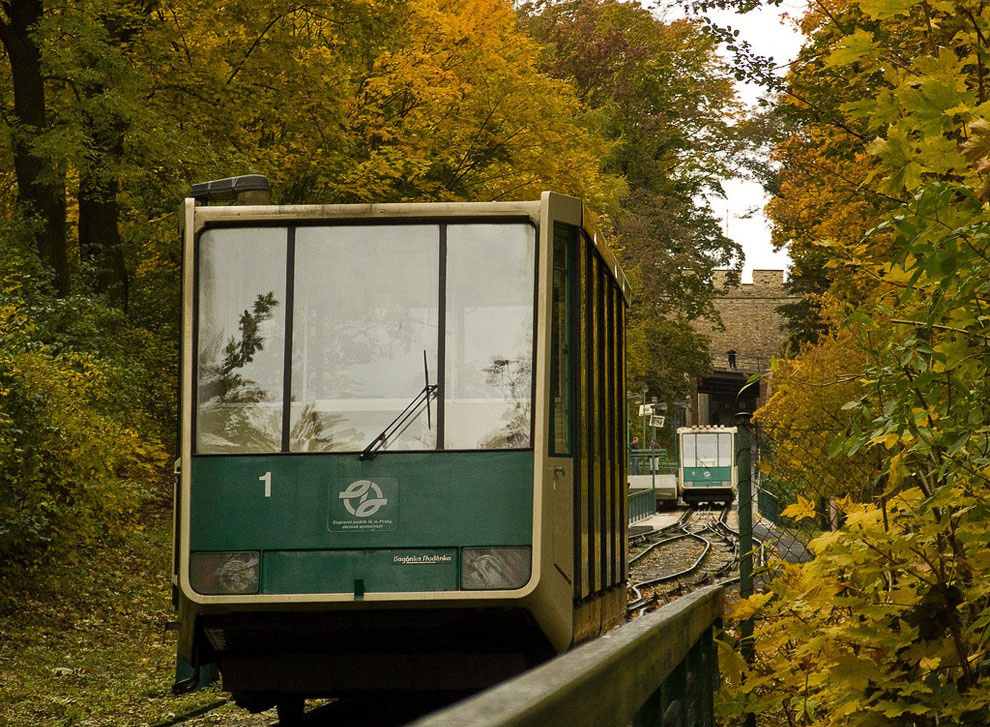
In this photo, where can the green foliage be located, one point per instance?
(663, 354)
(888, 625)
(78, 454)
(927, 392)
(663, 98)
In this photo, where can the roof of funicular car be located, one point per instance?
(200, 216)
(707, 429)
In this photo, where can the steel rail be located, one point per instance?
(687, 571)
(685, 516)
(192, 714)
(641, 602)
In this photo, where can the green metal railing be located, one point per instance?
(647, 461)
(642, 504)
(659, 669)
(769, 507)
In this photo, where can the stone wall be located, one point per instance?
(753, 327)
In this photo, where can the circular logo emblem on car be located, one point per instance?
(708, 475)
(363, 498)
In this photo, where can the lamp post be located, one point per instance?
(630, 397)
(642, 444)
(642, 400)
(745, 511)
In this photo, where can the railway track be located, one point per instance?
(699, 549)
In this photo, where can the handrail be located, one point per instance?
(627, 673)
(642, 504)
(641, 462)
(742, 362)
(650, 451)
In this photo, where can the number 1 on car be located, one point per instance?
(267, 479)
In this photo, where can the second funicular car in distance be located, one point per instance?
(707, 471)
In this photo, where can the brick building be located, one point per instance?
(754, 332)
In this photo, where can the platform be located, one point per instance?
(666, 485)
(658, 520)
(669, 517)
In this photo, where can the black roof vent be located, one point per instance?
(246, 189)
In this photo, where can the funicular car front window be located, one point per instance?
(366, 309)
(240, 340)
(725, 452)
(688, 450)
(707, 450)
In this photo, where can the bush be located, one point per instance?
(76, 459)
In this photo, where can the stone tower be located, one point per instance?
(754, 332)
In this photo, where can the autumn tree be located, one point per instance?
(819, 198)
(377, 101)
(40, 178)
(660, 94)
(356, 101)
(802, 417)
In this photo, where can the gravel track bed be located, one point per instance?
(673, 561)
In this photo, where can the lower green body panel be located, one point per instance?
(359, 571)
(706, 477)
(331, 523)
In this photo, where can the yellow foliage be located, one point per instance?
(803, 415)
(803, 508)
(376, 101)
(746, 608)
(74, 469)
(887, 193)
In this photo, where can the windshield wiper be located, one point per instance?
(428, 392)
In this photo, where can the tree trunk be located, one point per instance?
(40, 185)
(99, 215)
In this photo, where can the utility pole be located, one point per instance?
(745, 510)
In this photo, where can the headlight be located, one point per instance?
(495, 569)
(221, 574)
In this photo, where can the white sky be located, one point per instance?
(770, 33)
